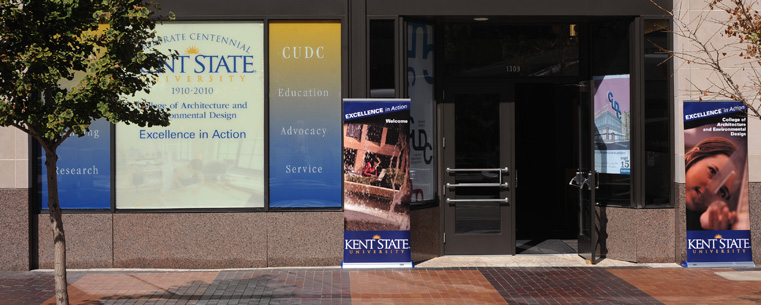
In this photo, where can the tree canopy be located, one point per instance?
(65, 63)
(724, 38)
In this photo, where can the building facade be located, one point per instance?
(251, 171)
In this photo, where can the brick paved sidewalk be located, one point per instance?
(416, 286)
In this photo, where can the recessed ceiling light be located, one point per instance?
(480, 19)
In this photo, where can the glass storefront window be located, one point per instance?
(84, 170)
(382, 50)
(212, 154)
(609, 51)
(657, 114)
(493, 50)
(422, 130)
(305, 129)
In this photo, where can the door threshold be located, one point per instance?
(546, 246)
(514, 261)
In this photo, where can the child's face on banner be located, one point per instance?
(699, 176)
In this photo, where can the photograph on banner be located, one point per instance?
(376, 175)
(212, 153)
(376, 169)
(420, 89)
(716, 166)
(612, 121)
(305, 114)
(84, 170)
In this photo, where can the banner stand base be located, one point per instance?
(686, 264)
(375, 265)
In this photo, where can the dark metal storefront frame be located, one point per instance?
(355, 17)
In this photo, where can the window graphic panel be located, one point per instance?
(305, 114)
(84, 170)
(212, 154)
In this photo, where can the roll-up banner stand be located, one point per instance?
(376, 183)
(716, 182)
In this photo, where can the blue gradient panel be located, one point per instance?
(305, 158)
(305, 115)
(84, 170)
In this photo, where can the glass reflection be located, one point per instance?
(494, 50)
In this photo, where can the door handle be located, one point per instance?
(581, 179)
(498, 200)
(500, 170)
(576, 180)
(500, 184)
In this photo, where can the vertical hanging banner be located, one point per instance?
(84, 170)
(212, 154)
(376, 165)
(420, 88)
(612, 124)
(305, 104)
(716, 181)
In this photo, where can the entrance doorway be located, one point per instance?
(509, 119)
(478, 160)
(510, 149)
(546, 151)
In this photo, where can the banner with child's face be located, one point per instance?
(716, 181)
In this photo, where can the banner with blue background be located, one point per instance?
(716, 184)
(376, 180)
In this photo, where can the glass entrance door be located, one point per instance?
(478, 131)
(585, 181)
(605, 132)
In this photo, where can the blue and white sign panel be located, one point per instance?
(716, 184)
(368, 248)
(718, 246)
(84, 170)
(376, 183)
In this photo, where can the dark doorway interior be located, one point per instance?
(546, 219)
(537, 65)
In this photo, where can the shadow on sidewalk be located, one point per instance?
(229, 287)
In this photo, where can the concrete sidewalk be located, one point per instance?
(559, 280)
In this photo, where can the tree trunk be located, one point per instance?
(56, 222)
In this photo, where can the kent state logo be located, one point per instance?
(718, 245)
(377, 245)
(195, 62)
